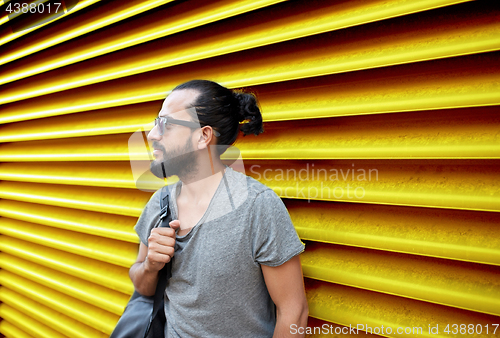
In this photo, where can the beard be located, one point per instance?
(180, 161)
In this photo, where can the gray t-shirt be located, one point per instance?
(217, 288)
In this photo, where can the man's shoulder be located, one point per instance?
(253, 187)
(255, 192)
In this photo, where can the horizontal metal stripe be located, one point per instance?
(105, 274)
(401, 182)
(456, 133)
(103, 249)
(98, 148)
(7, 17)
(55, 320)
(91, 293)
(98, 174)
(98, 224)
(131, 175)
(12, 331)
(433, 85)
(465, 133)
(247, 32)
(16, 35)
(467, 286)
(350, 306)
(466, 81)
(471, 236)
(323, 329)
(125, 202)
(127, 119)
(149, 26)
(85, 313)
(30, 325)
(12, 14)
(97, 18)
(423, 183)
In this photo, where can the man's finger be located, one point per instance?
(163, 255)
(175, 224)
(170, 232)
(155, 241)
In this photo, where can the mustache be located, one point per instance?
(157, 145)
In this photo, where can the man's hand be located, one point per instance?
(152, 258)
(161, 245)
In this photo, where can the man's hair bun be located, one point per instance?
(249, 113)
(225, 110)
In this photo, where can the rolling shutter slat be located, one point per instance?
(102, 297)
(439, 281)
(105, 274)
(470, 81)
(106, 250)
(371, 309)
(418, 231)
(422, 45)
(87, 314)
(10, 330)
(100, 224)
(63, 324)
(32, 326)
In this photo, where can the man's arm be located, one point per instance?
(152, 258)
(285, 284)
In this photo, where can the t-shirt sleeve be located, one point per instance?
(276, 240)
(149, 218)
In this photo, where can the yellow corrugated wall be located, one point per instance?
(382, 136)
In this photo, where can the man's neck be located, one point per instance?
(204, 183)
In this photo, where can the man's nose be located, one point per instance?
(154, 134)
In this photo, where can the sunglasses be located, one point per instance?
(162, 121)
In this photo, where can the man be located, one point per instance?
(233, 248)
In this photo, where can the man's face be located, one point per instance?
(175, 150)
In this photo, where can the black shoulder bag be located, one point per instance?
(135, 322)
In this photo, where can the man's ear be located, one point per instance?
(205, 137)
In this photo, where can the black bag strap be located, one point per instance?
(166, 218)
(165, 273)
